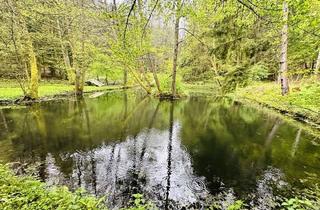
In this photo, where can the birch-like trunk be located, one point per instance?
(176, 49)
(284, 52)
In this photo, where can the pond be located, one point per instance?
(177, 154)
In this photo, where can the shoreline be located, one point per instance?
(60, 96)
(292, 118)
(287, 113)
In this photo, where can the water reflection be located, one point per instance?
(177, 154)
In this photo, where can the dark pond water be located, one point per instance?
(176, 154)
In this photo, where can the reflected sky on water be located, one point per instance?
(176, 153)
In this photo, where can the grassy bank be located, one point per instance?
(10, 90)
(303, 102)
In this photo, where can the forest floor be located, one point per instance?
(302, 103)
(11, 91)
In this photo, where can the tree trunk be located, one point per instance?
(79, 81)
(155, 76)
(136, 77)
(114, 5)
(176, 49)
(318, 65)
(70, 72)
(34, 78)
(66, 58)
(79, 69)
(284, 52)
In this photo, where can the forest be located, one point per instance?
(102, 101)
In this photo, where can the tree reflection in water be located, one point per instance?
(176, 153)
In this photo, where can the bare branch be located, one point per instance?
(128, 17)
(145, 26)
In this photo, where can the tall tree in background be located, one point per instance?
(176, 47)
(284, 52)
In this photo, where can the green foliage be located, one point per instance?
(236, 206)
(102, 66)
(295, 204)
(27, 193)
(229, 40)
(308, 198)
(166, 83)
(139, 203)
(258, 72)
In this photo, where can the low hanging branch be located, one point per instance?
(127, 21)
(149, 18)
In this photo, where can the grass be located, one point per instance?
(10, 89)
(200, 88)
(303, 99)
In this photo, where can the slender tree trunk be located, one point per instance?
(176, 49)
(145, 77)
(79, 69)
(317, 70)
(284, 52)
(66, 58)
(136, 77)
(114, 5)
(34, 78)
(79, 82)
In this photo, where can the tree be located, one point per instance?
(284, 52)
(176, 47)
